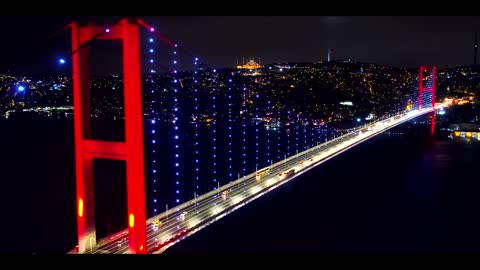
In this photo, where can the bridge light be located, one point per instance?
(175, 134)
(131, 220)
(268, 135)
(152, 70)
(243, 130)
(196, 143)
(230, 109)
(80, 207)
(213, 135)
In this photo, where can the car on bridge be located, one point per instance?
(290, 173)
(261, 173)
(286, 174)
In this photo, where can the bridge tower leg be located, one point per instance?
(434, 82)
(86, 149)
(430, 86)
(421, 87)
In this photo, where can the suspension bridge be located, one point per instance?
(186, 217)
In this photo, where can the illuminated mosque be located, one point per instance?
(251, 64)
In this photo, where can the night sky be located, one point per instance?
(221, 40)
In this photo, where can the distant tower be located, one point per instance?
(329, 56)
(475, 49)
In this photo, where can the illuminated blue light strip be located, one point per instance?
(214, 130)
(196, 139)
(244, 133)
(176, 128)
(229, 132)
(153, 125)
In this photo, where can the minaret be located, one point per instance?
(475, 48)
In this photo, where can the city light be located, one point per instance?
(61, 61)
(21, 88)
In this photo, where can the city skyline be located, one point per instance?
(222, 40)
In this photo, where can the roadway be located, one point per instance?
(192, 216)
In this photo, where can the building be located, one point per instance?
(251, 64)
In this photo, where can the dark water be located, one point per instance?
(404, 193)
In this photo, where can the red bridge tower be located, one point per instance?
(86, 149)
